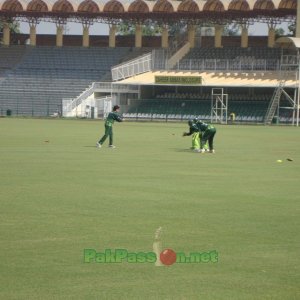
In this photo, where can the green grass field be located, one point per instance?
(63, 196)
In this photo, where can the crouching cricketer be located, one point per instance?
(208, 133)
(196, 136)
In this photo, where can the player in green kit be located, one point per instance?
(208, 133)
(196, 136)
(111, 118)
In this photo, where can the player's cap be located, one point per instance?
(116, 107)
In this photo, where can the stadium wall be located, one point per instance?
(95, 40)
(234, 41)
(129, 41)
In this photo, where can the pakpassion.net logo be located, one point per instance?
(165, 257)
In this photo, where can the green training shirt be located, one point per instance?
(193, 129)
(203, 126)
(112, 117)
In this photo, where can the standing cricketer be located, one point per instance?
(111, 118)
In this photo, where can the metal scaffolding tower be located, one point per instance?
(289, 70)
(219, 103)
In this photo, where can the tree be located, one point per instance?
(152, 29)
(228, 30)
(292, 29)
(279, 32)
(232, 30)
(125, 28)
(149, 29)
(177, 29)
(13, 25)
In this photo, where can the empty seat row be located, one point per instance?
(43, 76)
(180, 109)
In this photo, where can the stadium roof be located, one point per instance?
(210, 78)
(165, 10)
(289, 40)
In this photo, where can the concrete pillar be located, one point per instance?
(244, 36)
(85, 36)
(298, 20)
(271, 36)
(32, 35)
(112, 36)
(218, 36)
(191, 35)
(138, 35)
(59, 35)
(6, 34)
(165, 37)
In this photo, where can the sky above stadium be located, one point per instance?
(72, 28)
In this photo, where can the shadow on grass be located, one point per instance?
(183, 150)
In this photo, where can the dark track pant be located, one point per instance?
(208, 135)
(108, 132)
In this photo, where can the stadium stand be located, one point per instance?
(38, 78)
(256, 58)
(233, 52)
(182, 106)
(135, 52)
(245, 111)
(10, 57)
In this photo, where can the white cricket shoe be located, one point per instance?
(212, 151)
(98, 145)
(200, 150)
(112, 146)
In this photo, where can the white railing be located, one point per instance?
(159, 59)
(133, 67)
(66, 105)
(172, 61)
(125, 88)
(290, 60)
(228, 64)
(103, 105)
(85, 94)
(102, 85)
(69, 105)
